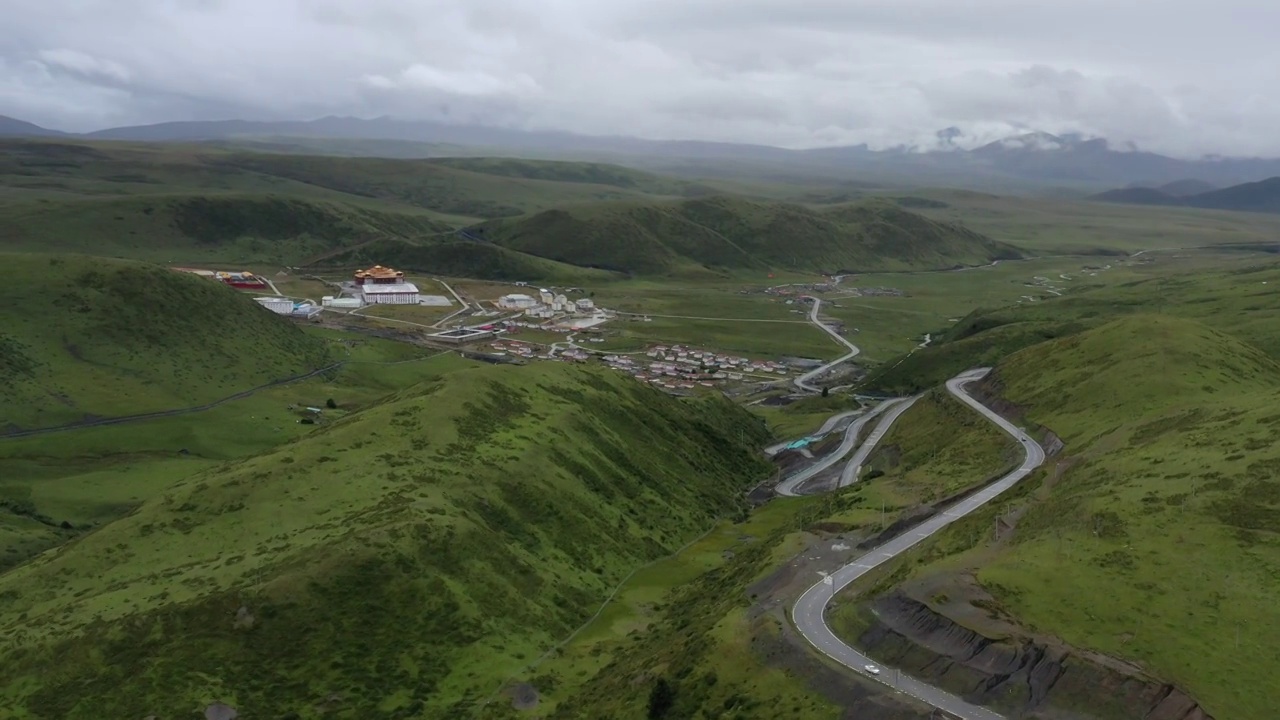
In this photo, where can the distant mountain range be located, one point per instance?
(1068, 161)
(1263, 196)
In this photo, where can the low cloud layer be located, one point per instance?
(1182, 77)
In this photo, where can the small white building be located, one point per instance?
(516, 301)
(585, 305)
(278, 305)
(401, 293)
(546, 296)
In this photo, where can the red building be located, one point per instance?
(378, 275)
(245, 280)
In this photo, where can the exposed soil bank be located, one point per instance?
(1022, 676)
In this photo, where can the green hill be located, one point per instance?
(478, 188)
(1237, 300)
(89, 337)
(1152, 538)
(399, 562)
(728, 233)
(205, 228)
(1172, 424)
(587, 173)
(1262, 196)
(459, 258)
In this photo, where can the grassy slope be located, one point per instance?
(56, 487)
(200, 228)
(405, 558)
(726, 233)
(586, 173)
(1168, 508)
(460, 258)
(93, 337)
(174, 202)
(694, 621)
(920, 465)
(435, 184)
(1236, 299)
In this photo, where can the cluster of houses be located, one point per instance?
(546, 305)
(520, 349)
(680, 357)
(667, 377)
(795, 289)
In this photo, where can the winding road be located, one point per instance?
(787, 487)
(802, 382)
(827, 427)
(809, 612)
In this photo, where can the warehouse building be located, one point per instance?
(462, 335)
(278, 305)
(401, 293)
(342, 303)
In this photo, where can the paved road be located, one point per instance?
(802, 382)
(850, 473)
(809, 611)
(827, 427)
(788, 487)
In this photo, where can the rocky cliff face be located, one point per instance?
(1023, 677)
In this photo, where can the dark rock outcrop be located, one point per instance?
(1021, 676)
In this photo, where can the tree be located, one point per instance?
(826, 391)
(661, 698)
(331, 404)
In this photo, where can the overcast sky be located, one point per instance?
(1184, 77)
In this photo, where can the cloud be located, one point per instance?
(466, 83)
(1188, 78)
(85, 65)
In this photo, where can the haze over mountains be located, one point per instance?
(1262, 196)
(1068, 160)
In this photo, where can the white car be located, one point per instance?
(872, 669)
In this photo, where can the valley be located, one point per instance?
(493, 437)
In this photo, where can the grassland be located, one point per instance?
(1055, 226)
(485, 517)
(90, 337)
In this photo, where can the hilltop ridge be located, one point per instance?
(723, 232)
(91, 337)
